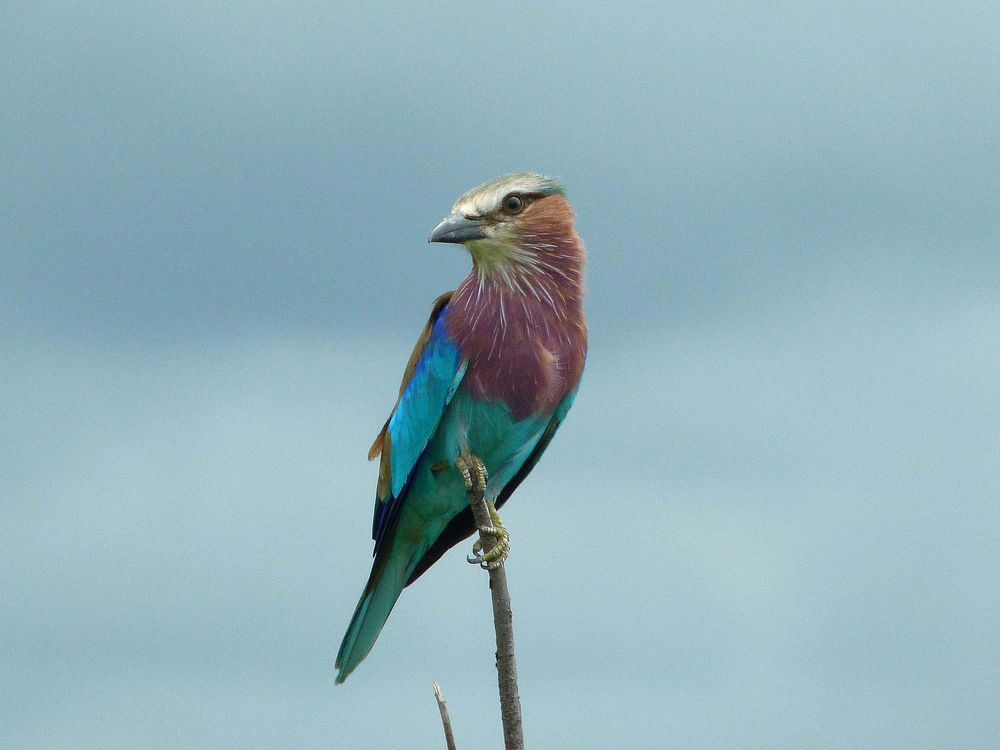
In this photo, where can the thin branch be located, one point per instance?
(449, 736)
(510, 701)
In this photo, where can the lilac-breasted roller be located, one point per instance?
(492, 376)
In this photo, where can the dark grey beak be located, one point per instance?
(456, 228)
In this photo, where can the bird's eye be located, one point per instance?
(513, 204)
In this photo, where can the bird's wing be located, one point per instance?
(433, 373)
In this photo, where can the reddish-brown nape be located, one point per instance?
(521, 323)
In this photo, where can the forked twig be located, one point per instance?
(449, 736)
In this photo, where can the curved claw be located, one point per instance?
(498, 552)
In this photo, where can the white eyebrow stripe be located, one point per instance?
(485, 199)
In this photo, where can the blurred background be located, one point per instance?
(771, 519)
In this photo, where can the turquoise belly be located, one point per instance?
(437, 493)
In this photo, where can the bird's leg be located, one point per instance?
(475, 475)
(463, 467)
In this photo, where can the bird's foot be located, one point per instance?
(498, 551)
(487, 556)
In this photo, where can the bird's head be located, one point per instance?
(509, 220)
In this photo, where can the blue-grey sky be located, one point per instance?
(771, 519)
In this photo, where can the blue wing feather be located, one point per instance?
(436, 375)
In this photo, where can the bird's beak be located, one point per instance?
(456, 228)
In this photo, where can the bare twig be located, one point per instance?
(449, 736)
(510, 701)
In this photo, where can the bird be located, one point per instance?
(492, 377)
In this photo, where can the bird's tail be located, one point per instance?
(389, 575)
